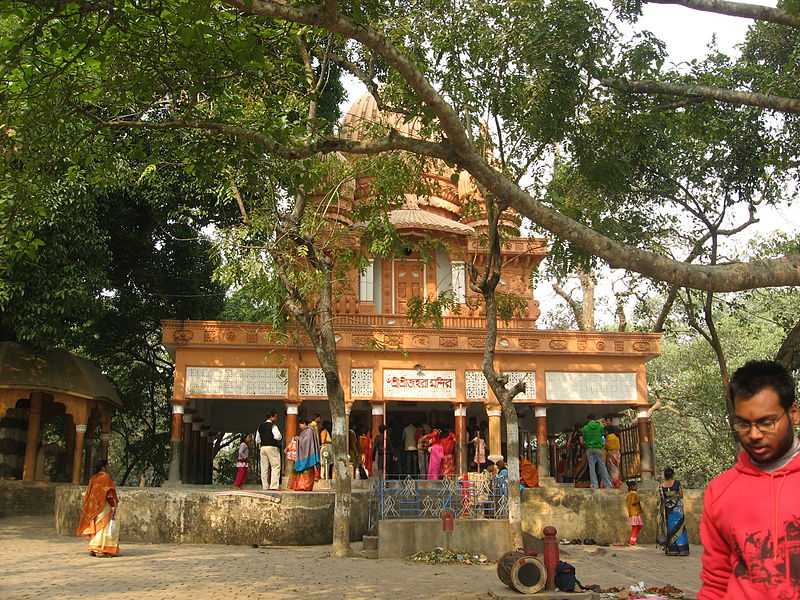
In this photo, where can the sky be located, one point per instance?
(687, 34)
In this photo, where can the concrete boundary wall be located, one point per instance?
(599, 514)
(23, 498)
(175, 515)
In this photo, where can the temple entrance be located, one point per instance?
(409, 282)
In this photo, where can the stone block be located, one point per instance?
(403, 537)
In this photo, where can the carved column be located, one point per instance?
(495, 436)
(542, 445)
(33, 437)
(460, 414)
(175, 445)
(77, 457)
(377, 419)
(646, 457)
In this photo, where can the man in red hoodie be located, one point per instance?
(751, 513)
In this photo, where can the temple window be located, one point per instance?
(459, 273)
(366, 291)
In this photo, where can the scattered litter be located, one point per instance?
(642, 592)
(440, 556)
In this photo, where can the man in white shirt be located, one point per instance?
(269, 438)
(409, 465)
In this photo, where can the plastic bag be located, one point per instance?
(112, 527)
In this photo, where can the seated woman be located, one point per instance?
(98, 516)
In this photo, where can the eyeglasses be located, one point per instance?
(766, 425)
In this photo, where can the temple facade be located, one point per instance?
(229, 375)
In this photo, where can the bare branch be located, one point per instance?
(738, 9)
(392, 142)
(772, 102)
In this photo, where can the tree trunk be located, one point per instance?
(587, 302)
(789, 352)
(325, 347)
(487, 285)
(512, 462)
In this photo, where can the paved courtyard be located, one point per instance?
(37, 563)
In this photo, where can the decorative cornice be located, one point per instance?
(395, 334)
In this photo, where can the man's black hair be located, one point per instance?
(756, 375)
(590, 417)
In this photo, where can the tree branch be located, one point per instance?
(770, 101)
(391, 143)
(731, 277)
(738, 9)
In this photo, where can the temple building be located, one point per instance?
(228, 376)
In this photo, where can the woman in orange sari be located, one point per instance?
(98, 516)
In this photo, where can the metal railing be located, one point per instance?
(409, 498)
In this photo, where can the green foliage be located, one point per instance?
(112, 263)
(423, 312)
(692, 431)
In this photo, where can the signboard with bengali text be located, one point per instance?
(408, 383)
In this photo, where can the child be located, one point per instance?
(242, 462)
(480, 450)
(634, 512)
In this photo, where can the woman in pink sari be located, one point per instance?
(436, 456)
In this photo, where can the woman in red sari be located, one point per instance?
(365, 450)
(448, 460)
(98, 516)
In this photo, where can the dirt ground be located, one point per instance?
(37, 563)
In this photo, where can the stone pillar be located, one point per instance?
(543, 448)
(69, 441)
(646, 457)
(33, 437)
(460, 414)
(210, 436)
(105, 433)
(204, 454)
(88, 454)
(495, 435)
(186, 469)
(175, 445)
(77, 457)
(196, 451)
(291, 431)
(377, 419)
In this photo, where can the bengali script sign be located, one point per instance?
(579, 387)
(408, 383)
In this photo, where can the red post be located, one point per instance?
(550, 556)
(447, 521)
